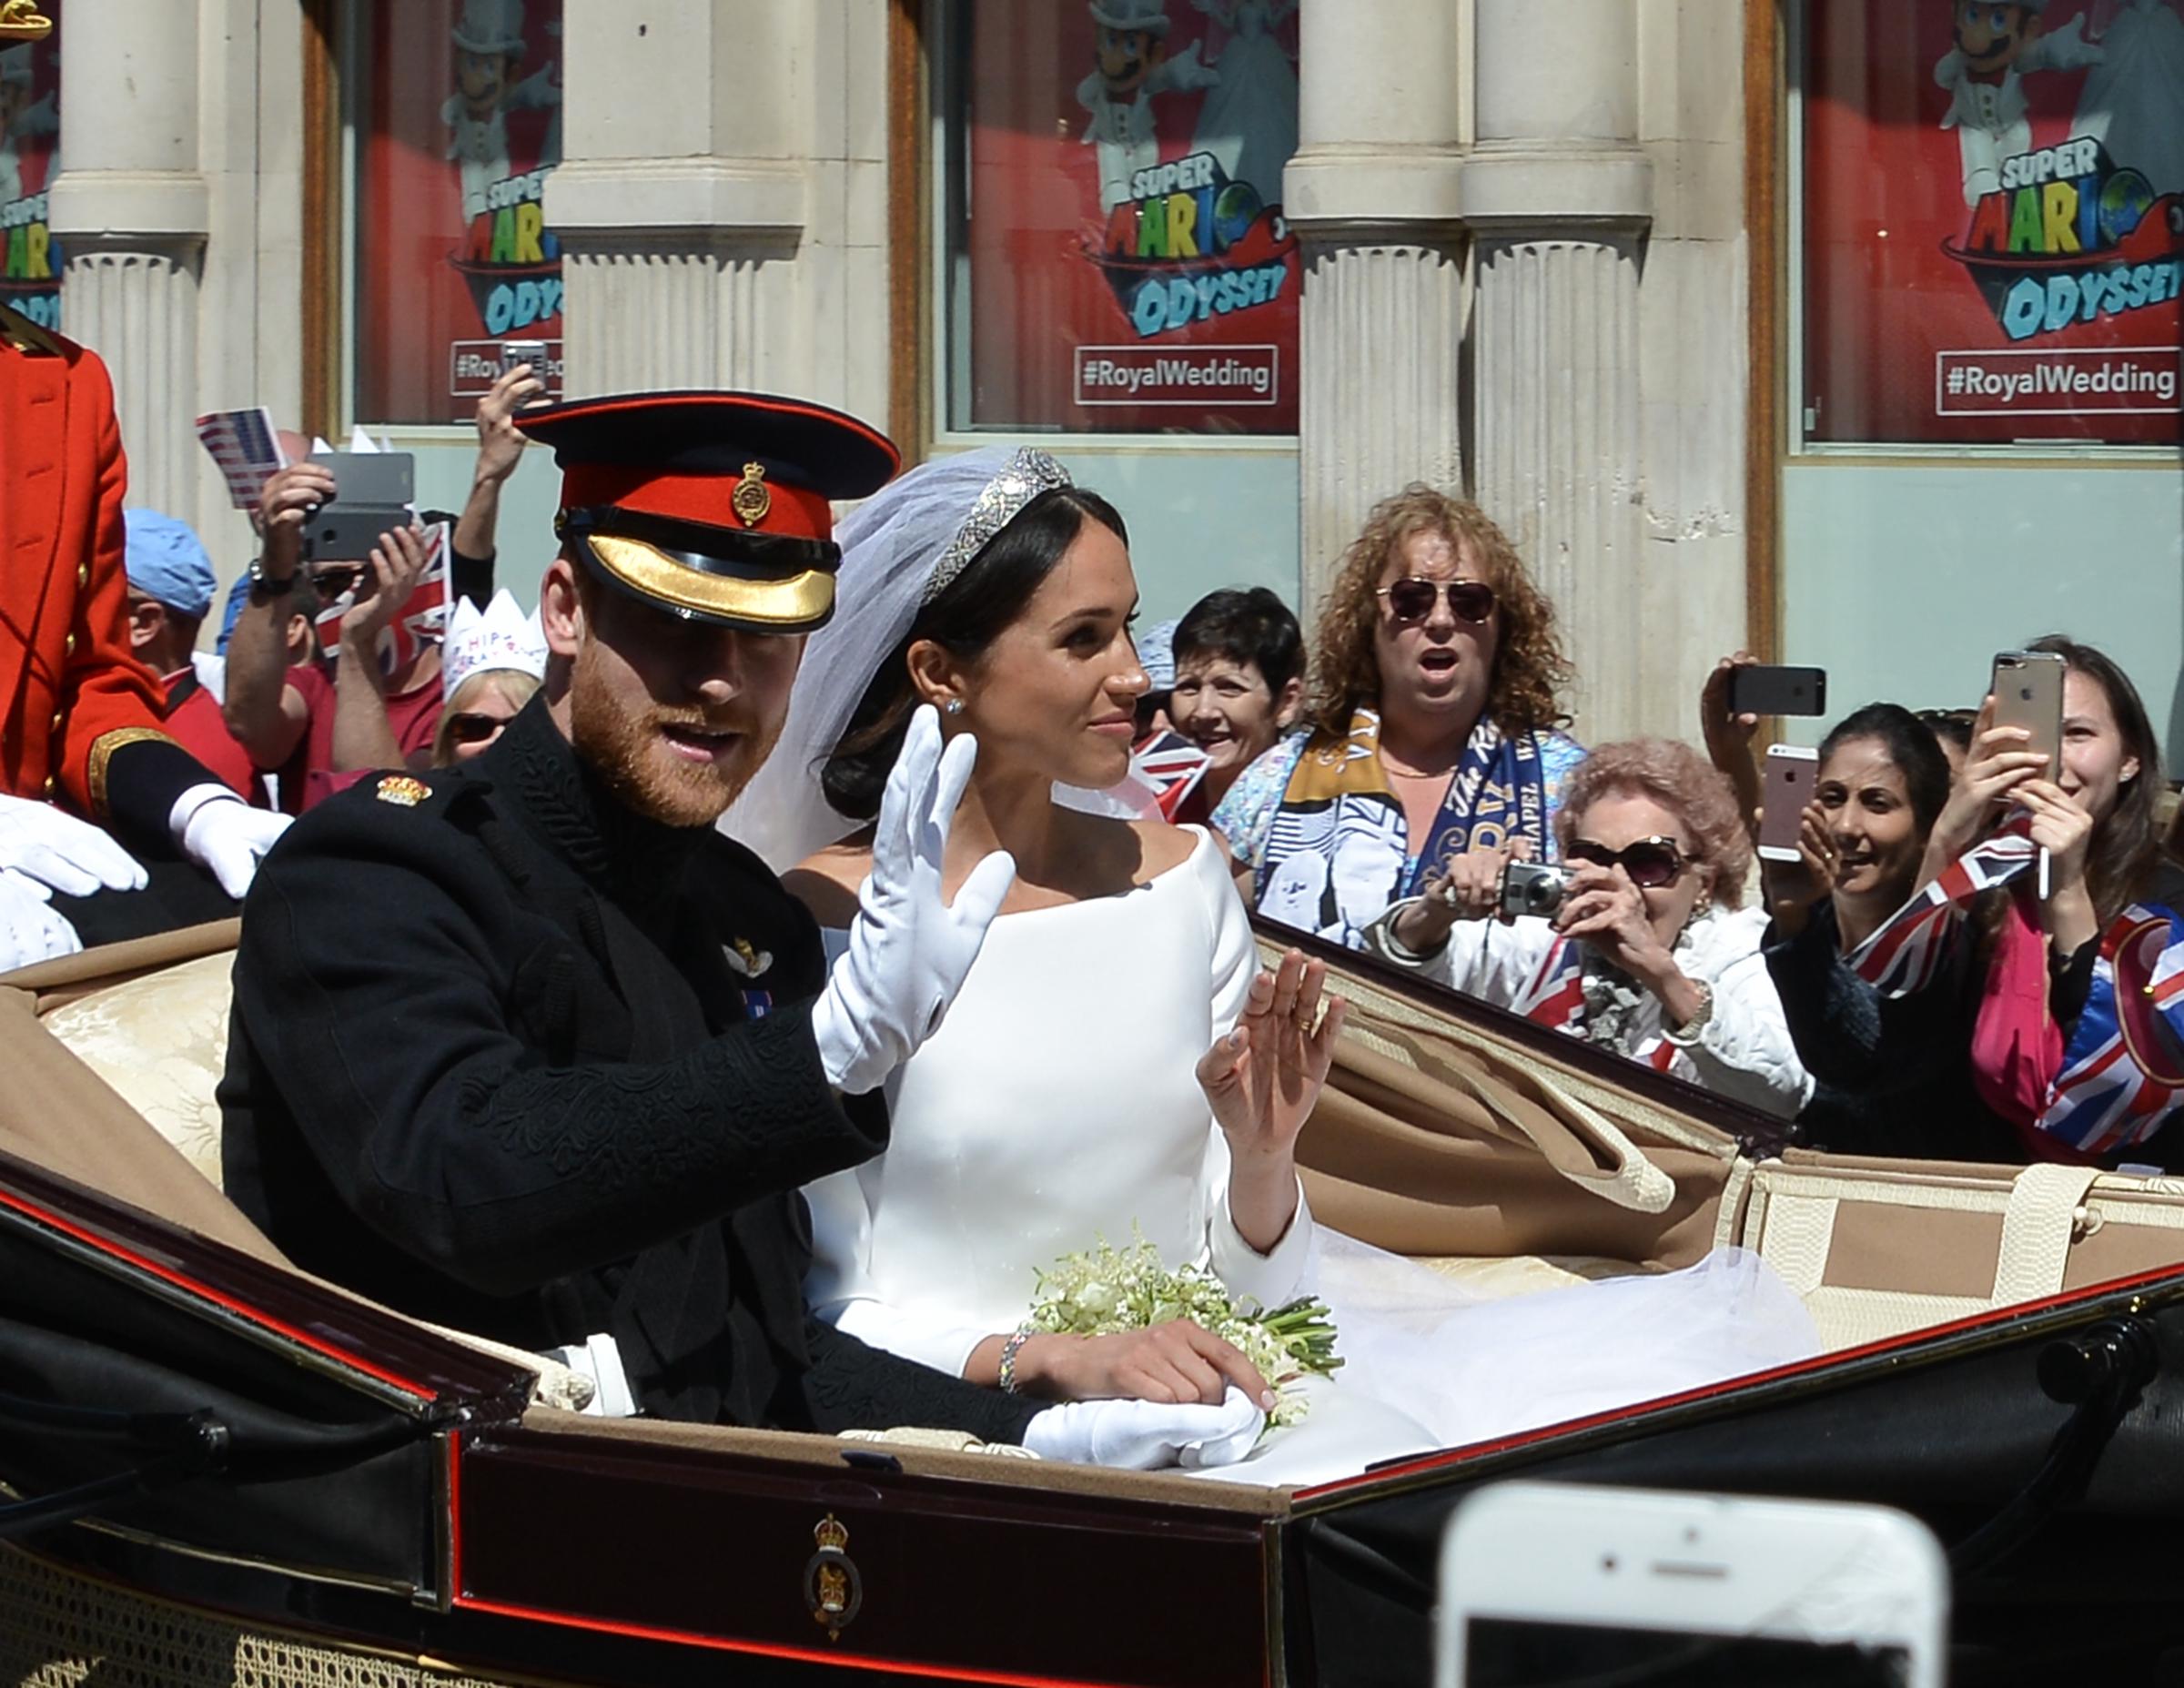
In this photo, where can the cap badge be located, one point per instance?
(403, 791)
(751, 500)
(746, 957)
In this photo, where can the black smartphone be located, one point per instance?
(372, 490)
(1764, 690)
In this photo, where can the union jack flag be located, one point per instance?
(1171, 766)
(2123, 1068)
(1555, 996)
(1907, 951)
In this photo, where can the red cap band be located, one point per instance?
(752, 504)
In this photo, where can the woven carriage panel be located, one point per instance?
(59, 1629)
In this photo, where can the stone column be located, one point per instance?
(1558, 196)
(680, 200)
(1372, 194)
(130, 213)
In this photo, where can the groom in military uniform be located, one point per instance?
(529, 1050)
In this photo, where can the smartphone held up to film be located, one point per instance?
(1759, 690)
(372, 494)
(1786, 782)
(1563, 1582)
(2027, 690)
(515, 353)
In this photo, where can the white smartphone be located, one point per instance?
(1786, 787)
(1547, 1584)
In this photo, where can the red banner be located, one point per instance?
(1129, 268)
(454, 261)
(1994, 221)
(30, 132)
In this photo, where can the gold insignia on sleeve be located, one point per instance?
(102, 753)
(746, 957)
(401, 788)
(751, 500)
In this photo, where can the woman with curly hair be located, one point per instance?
(1431, 730)
(1649, 952)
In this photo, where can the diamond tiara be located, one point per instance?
(1027, 474)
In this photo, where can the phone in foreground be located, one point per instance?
(1787, 781)
(2028, 693)
(372, 490)
(1759, 690)
(1560, 1583)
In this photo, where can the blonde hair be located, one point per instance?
(1529, 666)
(516, 689)
(1677, 777)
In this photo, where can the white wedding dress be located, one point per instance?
(1059, 1104)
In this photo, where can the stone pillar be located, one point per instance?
(681, 200)
(130, 212)
(1558, 196)
(1372, 194)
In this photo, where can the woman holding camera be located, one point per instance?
(1637, 945)
(1432, 730)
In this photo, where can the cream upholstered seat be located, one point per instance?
(161, 1040)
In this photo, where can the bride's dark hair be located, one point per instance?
(966, 618)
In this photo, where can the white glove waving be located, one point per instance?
(1145, 1435)
(62, 853)
(30, 930)
(908, 950)
(224, 836)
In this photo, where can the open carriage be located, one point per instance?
(219, 1469)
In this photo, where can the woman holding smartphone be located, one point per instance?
(1891, 1074)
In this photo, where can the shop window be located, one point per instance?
(455, 107)
(30, 157)
(1992, 224)
(1115, 258)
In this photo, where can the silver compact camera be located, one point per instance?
(1533, 888)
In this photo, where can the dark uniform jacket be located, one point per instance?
(509, 1057)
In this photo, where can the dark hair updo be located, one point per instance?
(1911, 746)
(970, 612)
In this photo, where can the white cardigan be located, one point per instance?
(1744, 1051)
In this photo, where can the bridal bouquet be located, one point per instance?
(1107, 1290)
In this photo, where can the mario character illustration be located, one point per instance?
(489, 50)
(21, 118)
(1998, 44)
(1134, 66)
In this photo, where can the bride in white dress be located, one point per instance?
(1086, 1082)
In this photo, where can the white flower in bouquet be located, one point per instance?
(1107, 1290)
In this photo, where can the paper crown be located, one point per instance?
(503, 636)
(713, 506)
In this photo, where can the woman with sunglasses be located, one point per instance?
(1648, 953)
(493, 664)
(1431, 730)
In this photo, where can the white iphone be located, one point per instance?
(1786, 787)
(1544, 1583)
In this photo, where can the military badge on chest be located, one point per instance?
(747, 961)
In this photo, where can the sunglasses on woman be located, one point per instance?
(330, 583)
(1412, 600)
(1652, 863)
(474, 729)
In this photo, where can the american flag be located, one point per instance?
(1906, 953)
(243, 443)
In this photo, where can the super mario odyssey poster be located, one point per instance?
(461, 126)
(30, 157)
(1128, 264)
(1994, 221)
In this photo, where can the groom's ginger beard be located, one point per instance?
(628, 751)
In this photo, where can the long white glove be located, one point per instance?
(908, 951)
(29, 928)
(223, 834)
(62, 853)
(1144, 1435)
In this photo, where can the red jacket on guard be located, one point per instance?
(70, 692)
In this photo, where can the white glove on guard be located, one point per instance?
(62, 853)
(1144, 1435)
(224, 836)
(30, 930)
(908, 951)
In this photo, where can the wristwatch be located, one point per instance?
(264, 585)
